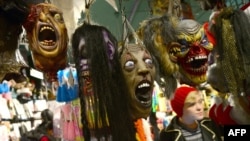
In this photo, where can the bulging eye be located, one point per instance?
(149, 61)
(129, 65)
(58, 17)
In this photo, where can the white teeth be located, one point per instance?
(190, 60)
(145, 102)
(48, 43)
(46, 27)
(143, 85)
(196, 58)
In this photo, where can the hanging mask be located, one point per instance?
(192, 54)
(48, 38)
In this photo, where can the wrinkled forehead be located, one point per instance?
(133, 48)
(46, 7)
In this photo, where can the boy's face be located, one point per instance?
(194, 106)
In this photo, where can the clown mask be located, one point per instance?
(192, 54)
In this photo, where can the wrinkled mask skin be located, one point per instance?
(48, 38)
(192, 55)
(139, 72)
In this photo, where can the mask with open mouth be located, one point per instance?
(139, 71)
(48, 38)
(192, 54)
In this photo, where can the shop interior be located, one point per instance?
(35, 104)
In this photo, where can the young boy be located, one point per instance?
(189, 124)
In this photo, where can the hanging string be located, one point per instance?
(88, 3)
(137, 39)
(126, 28)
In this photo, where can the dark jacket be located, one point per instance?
(209, 130)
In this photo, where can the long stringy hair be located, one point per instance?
(232, 34)
(109, 87)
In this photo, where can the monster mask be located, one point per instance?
(48, 38)
(139, 71)
(192, 55)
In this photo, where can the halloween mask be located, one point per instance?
(192, 54)
(48, 38)
(139, 71)
(158, 35)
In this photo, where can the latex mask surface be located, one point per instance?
(139, 71)
(192, 54)
(103, 91)
(48, 38)
(158, 35)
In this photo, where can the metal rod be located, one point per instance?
(135, 7)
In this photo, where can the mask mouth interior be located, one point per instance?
(196, 65)
(47, 37)
(143, 93)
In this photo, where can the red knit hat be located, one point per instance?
(179, 98)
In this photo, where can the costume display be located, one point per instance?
(192, 54)
(146, 87)
(103, 92)
(226, 107)
(158, 35)
(180, 47)
(67, 89)
(139, 71)
(48, 38)
(232, 65)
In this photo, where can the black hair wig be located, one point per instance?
(110, 97)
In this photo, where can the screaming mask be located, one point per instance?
(192, 54)
(48, 38)
(139, 71)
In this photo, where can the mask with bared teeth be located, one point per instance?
(48, 38)
(139, 70)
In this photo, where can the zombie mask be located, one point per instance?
(48, 38)
(192, 54)
(139, 71)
